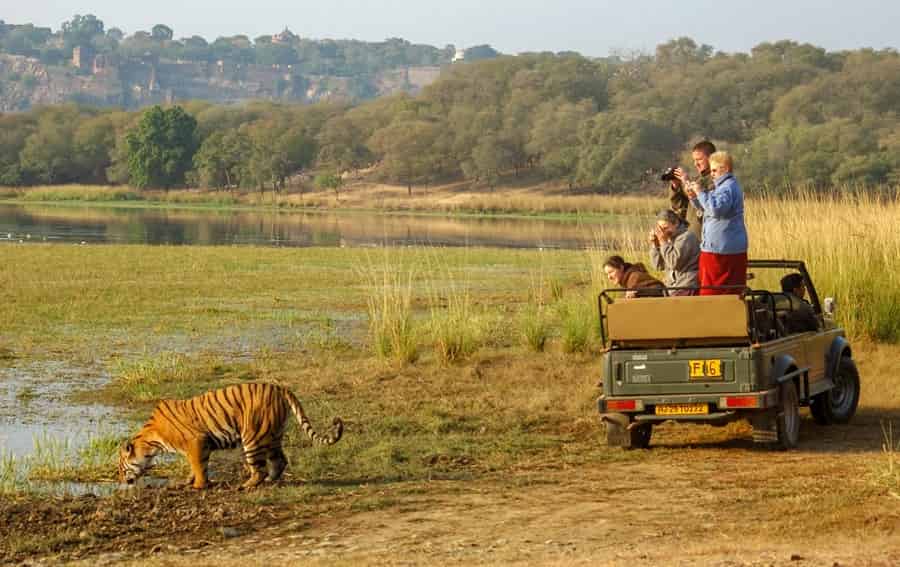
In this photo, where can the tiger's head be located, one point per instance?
(135, 457)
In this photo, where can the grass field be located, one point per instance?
(479, 382)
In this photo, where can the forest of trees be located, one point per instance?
(307, 56)
(793, 114)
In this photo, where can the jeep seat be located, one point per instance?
(678, 318)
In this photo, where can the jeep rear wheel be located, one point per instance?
(838, 405)
(628, 436)
(787, 419)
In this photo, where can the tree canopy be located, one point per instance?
(791, 114)
(160, 148)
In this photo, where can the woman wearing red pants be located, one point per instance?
(723, 249)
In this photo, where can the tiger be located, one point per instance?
(252, 415)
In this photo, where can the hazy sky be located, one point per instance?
(592, 27)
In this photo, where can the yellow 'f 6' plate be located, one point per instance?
(682, 409)
(705, 369)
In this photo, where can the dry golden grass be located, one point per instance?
(850, 244)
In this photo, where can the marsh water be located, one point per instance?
(89, 225)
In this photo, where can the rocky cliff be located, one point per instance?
(26, 82)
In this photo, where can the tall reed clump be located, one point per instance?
(392, 331)
(535, 324)
(851, 247)
(456, 329)
(456, 332)
(578, 321)
(536, 328)
(10, 477)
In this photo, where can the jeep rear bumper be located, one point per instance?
(718, 406)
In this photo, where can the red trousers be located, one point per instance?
(721, 270)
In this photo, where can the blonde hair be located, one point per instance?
(722, 158)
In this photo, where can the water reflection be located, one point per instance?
(35, 405)
(27, 223)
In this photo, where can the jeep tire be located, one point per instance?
(838, 405)
(619, 434)
(787, 418)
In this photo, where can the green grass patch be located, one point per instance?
(88, 458)
(165, 375)
(93, 459)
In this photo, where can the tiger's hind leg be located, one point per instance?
(276, 463)
(255, 463)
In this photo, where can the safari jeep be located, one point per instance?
(718, 358)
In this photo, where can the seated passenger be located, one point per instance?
(675, 250)
(800, 317)
(633, 277)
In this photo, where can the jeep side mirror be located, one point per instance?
(829, 306)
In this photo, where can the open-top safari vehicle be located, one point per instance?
(717, 358)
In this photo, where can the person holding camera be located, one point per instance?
(676, 251)
(686, 210)
(723, 249)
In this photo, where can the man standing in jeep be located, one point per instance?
(679, 201)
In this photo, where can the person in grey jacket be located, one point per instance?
(676, 251)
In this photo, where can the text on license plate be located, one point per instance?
(703, 369)
(682, 409)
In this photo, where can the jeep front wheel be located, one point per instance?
(838, 405)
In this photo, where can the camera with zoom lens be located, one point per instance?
(668, 174)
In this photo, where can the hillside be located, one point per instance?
(85, 63)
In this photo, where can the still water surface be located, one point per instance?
(90, 225)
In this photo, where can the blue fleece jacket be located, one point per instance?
(724, 231)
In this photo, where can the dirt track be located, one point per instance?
(701, 496)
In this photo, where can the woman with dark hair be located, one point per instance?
(633, 277)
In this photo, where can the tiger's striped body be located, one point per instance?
(254, 416)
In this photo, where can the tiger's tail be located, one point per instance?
(337, 425)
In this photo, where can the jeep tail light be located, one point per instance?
(741, 402)
(621, 405)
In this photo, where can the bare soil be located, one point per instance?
(699, 496)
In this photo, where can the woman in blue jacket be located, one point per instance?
(723, 248)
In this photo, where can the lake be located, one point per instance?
(90, 225)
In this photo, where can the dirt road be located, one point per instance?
(700, 496)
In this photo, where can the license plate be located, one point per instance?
(682, 409)
(705, 369)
